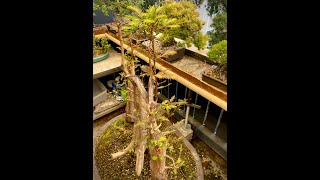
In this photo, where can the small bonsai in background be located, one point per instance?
(100, 46)
(188, 20)
(200, 40)
(219, 26)
(218, 54)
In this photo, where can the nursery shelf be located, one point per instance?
(209, 92)
(108, 66)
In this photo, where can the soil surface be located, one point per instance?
(191, 66)
(212, 73)
(114, 140)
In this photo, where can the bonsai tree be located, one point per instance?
(200, 40)
(218, 53)
(219, 26)
(100, 46)
(188, 20)
(144, 109)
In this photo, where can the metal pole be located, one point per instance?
(187, 115)
(185, 97)
(194, 109)
(218, 123)
(205, 116)
(176, 90)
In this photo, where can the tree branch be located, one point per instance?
(121, 153)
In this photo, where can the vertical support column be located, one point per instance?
(205, 116)
(185, 96)
(218, 123)
(195, 102)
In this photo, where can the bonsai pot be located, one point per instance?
(112, 28)
(96, 139)
(199, 56)
(214, 81)
(99, 30)
(179, 55)
(100, 58)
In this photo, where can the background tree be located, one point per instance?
(216, 6)
(219, 31)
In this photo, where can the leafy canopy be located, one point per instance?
(218, 52)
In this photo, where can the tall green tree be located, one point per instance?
(216, 6)
(219, 31)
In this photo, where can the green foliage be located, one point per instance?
(187, 18)
(117, 7)
(200, 40)
(218, 52)
(100, 46)
(124, 94)
(120, 122)
(154, 158)
(216, 6)
(104, 44)
(151, 20)
(219, 26)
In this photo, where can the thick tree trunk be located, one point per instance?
(157, 167)
(132, 92)
(140, 133)
(130, 104)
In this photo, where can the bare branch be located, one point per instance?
(121, 153)
(168, 132)
(174, 165)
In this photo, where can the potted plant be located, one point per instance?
(217, 75)
(188, 29)
(100, 49)
(148, 132)
(139, 37)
